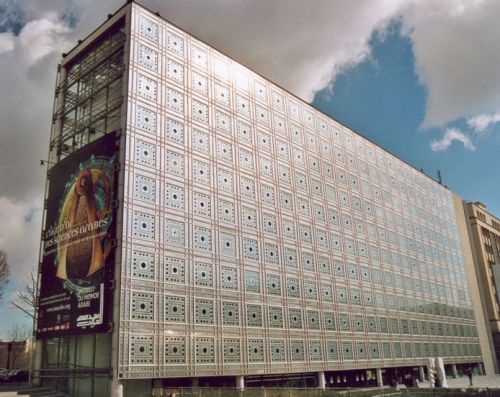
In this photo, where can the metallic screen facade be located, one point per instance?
(260, 236)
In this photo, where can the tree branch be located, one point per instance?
(27, 312)
(26, 297)
(4, 273)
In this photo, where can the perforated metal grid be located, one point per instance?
(261, 235)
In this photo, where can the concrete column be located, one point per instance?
(37, 362)
(116, 388)
(378, 375)
(480, 369)
(454, 370)
(321, 380)
(431, 371)
(240, 382)
(421, 376)
(441, 372)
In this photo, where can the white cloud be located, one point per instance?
(451, 135)
(482, 122)
(27, 76)
(303, 48)
(42, 36)
(455, 46)
(299, 46)
(18, 237)
(6, 42)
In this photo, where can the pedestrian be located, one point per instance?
(468, 372)
(438, 381)
(433, 378)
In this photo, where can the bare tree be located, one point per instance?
(19, 332)
(4, 273)
(26, 297)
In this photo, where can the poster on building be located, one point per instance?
(78, 242)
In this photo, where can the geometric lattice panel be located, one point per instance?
(255, 350)
(142, 306)
(297, 350)
(230, 313)
(205, 350)
(315, 353)
(143, 265)
(175, 309)
(277, 350)
(141, 349)
(257, 229)
(175, 350)
(232, 351)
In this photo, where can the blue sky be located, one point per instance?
(382, 99)
(419, 78)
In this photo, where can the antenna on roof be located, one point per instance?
(440, 180)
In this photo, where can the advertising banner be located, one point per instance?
(78, 242)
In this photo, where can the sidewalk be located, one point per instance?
(489, 381)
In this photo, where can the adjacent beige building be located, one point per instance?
(484, 229)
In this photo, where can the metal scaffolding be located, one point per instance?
(91, 93)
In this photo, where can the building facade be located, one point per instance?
(204, 226)
(15, 354)
(484, 230)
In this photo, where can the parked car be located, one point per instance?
(15, 375)
(3, 372)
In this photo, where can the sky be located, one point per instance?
(421, 78)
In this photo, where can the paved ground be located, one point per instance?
(491, 381)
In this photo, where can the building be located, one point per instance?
(15, 354)
(204, 227)
(484, 229)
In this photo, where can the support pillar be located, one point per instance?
(378, 374)
(37, 362)
(240, 382)
(441, 372)
(431, 371)
(480, 369)
(116, 388)
(454, 370)
(321, 380)
(421, 376)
